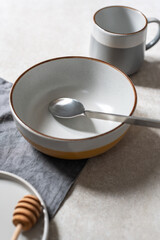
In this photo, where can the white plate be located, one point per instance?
(12, 189)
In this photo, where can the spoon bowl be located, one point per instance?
(66, 108)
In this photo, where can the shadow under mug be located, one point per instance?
(119, 37)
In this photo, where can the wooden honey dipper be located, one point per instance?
(26, 214)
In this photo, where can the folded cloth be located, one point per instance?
(51, 177)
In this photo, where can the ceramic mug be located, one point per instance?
(119, 37)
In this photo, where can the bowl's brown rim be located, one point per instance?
(64, 139)
(124, 34)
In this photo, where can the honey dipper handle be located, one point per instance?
(17, 232)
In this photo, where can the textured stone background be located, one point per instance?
(117, 195)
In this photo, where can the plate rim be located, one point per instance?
(22, 181)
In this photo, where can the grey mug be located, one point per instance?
(119, 37)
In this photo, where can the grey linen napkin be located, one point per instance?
(51, 177)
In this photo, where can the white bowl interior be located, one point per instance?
(97, 85)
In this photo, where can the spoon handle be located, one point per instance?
(146, 122)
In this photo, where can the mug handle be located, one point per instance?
(157, 37)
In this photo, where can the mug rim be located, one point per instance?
(124, 34)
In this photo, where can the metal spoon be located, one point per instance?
(70, 108)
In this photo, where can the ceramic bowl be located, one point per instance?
(98, 85)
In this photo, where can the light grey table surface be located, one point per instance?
(117, 195)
